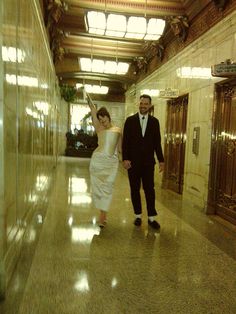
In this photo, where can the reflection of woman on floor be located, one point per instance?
(104, 161)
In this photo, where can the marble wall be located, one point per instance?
(2, 280)
(30, 116)
(63, 126)
(190, 73)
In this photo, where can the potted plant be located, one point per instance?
(68, 92)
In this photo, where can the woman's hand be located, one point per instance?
(127, 164)
(161, 166)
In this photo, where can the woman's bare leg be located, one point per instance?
(102, 218)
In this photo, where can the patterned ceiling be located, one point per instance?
(70, 40)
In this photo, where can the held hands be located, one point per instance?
(127, 164)
(161, 166)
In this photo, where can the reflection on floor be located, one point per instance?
(187, 267)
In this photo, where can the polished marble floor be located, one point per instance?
(189, 266)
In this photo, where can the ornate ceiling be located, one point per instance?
(69, 39)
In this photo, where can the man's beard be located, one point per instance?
(144, 110)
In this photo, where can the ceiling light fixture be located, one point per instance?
(100, 66)
(118, 25)
(94, 89)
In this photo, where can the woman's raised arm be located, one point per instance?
(93, 109)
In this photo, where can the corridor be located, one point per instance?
(187, 267)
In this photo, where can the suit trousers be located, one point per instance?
(142, 174)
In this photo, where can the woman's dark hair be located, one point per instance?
(103, 113)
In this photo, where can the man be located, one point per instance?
(141, 139)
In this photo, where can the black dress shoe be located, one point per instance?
(138, 222)
(154, 224)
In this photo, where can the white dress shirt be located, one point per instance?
(143, 122)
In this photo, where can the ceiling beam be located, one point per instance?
(150, 8)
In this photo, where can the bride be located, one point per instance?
(104, 161)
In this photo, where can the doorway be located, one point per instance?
(175, 141)
(222, 180)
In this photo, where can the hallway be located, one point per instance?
(188, 267)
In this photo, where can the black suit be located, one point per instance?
(140, 151)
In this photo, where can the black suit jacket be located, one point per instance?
(140, 150)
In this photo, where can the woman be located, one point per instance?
(104, 161)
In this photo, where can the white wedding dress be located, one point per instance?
(103, 167)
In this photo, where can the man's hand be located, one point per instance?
(127, 164)
(161, 166)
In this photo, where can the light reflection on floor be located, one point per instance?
(187, 267)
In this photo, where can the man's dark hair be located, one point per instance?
(102, 112)
(146, 96)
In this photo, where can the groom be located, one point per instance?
(141, 139)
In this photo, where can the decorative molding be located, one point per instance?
(226, 201)
(209, 17)
(230, 146)
(140, 64)
(179, 26)
(53, 13)
(154, 49)
(229, 92)
(220, 4)
(138, 5)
